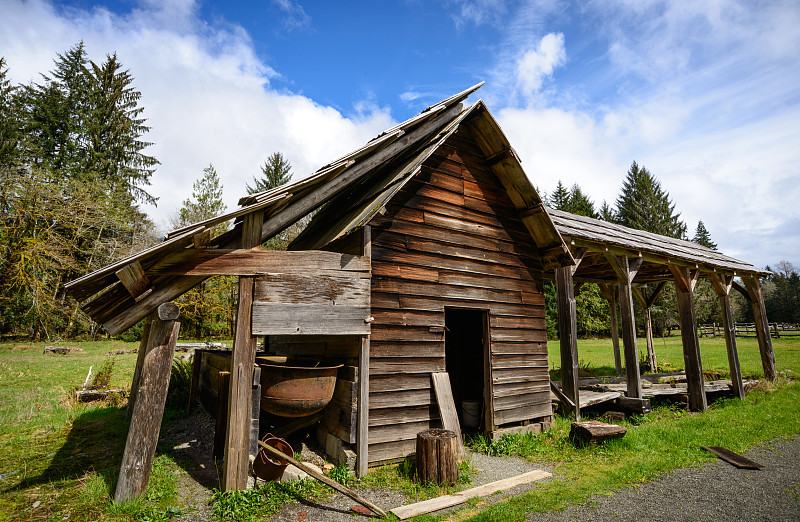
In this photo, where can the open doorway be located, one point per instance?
(466, 353)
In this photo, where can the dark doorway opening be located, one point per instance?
(465, 360)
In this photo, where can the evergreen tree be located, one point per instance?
(275, 172)
(644, 205)
(559, 199)
(113, 131)
(573, 201)
(207, 309)
(703, 237)
(9, 117)
(206, 201)
(607, 213)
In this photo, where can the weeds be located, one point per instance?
(259, 502)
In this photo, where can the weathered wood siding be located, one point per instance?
(452, 238)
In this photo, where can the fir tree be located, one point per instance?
(559, 199)
(644, 205)
(703, 237)
(275, 172)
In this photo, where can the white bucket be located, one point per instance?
(471, 413)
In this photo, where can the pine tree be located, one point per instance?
(559, 199)
(9, 118)
(206, 201)
(113, 130)
(607, 213)
(644, 205)
(275, 172)
(703, 237)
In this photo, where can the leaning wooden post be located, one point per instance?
(140, 446)
(722, 285)
(362, 440)
(237, 437)
(610, 295)
(137, 371)
(685, 281)
(568, 335)
(626, 270)
(753, 286)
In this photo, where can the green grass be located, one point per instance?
(668, 438)
(598, 354)
(66, 455)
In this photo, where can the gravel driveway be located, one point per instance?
(715, 491)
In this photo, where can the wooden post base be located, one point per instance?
(437, 457)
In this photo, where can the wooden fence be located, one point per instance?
(777, 330)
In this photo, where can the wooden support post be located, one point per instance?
(144, 343)
(626, 270)
(362, 438)
(722, 285)
(140, 446)
(489, 424)
(568, 336)
(685, 281)
(647, 302)
(237, 438)
(753, 287)
(611, 296)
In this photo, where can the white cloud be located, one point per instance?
(703, 94)
(206, 94)
(296, 16)
(538, 63)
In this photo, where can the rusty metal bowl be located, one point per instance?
(296, 388)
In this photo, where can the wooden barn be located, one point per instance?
(425, 256)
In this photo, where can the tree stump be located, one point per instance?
(437, 457)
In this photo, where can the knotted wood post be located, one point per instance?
(626, 269)
(137, 372)
(568, 336)
(722, 285)
(148, 410)
(753, 287)
(685, 281)
(437, 457)
(237, 437)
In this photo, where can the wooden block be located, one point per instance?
(594, 432)
(634, 405)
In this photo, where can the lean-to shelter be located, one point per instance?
(426, 254)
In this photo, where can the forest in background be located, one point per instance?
(74, 170)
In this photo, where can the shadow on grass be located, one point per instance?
(95, 442)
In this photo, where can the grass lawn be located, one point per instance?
(60, 459)
(598, 354)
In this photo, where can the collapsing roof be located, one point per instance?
(351, 191)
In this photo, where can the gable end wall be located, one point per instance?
(452, 238)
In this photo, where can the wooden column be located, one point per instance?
(722, 285)
(568, 335)
(647, 302)
(237, 437)
(626, 270)
(610, 295)
(753, 287)
(148, 410)
(685, 281)
(362, 438)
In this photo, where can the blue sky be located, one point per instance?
(704, 94)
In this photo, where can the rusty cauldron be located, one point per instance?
(296, 388)
(267, 467)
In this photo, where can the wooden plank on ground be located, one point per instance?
(435, 504)
(447, 408)
(733, 458)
